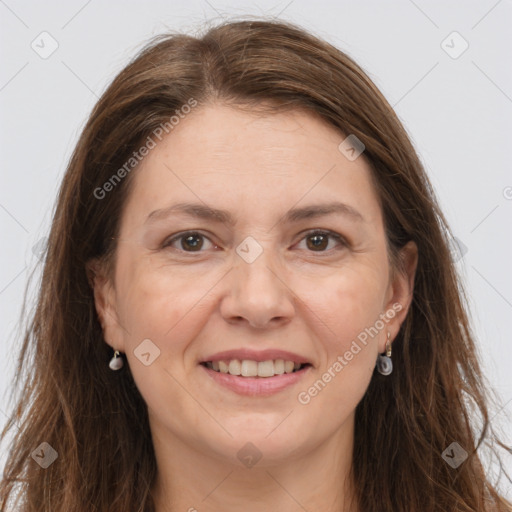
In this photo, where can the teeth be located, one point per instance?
(278, 366)
(248, 368)
(235, 368)
(266, 369)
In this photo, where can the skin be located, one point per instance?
(293, 297)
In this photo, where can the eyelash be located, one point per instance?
(336, 236)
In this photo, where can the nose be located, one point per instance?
(257, 294)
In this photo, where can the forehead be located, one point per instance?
(250, 163)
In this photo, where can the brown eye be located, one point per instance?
(318, 241)
(188, 242)
(194, 242)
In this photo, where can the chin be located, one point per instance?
(258, 446)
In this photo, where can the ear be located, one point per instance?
(401, 289)
(105, 303)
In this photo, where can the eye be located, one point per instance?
(191, 241)
(318, 241)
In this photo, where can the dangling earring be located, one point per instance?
(384, 363)
(116, 363)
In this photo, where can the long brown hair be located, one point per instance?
(96, 420)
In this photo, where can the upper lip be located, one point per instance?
(252, 355)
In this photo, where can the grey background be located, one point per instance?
(456, 110)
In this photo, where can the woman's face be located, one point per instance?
(295, 270)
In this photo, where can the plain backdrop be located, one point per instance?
(443, 66)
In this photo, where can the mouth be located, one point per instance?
(247, 368)
(247, 377)
(255, 373)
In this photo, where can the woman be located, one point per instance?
(248, 301)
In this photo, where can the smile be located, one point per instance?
(250, 368)
(249, 382)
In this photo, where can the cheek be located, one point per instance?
(155, 302)
(351, 302)
(167, 308)
(350, 307)
(165, 305)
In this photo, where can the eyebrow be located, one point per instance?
(202, 211)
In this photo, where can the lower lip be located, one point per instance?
(256, 386)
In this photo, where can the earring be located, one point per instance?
(116, 363)
(384, 363)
